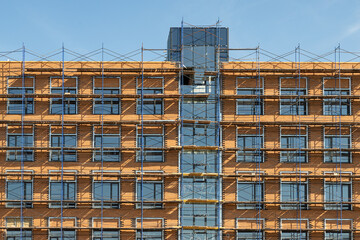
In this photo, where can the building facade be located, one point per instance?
(196, 147)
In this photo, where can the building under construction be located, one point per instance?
(195, 146)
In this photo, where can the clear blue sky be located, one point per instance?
(83, 25)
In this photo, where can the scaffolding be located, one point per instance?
(173, 150)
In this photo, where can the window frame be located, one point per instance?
(340, 205)
(27, 203)
(296, 205)
(261, 153)
(68, 99)
(256, 206)
(106, 149)
(155, 204)
(342, 151)
(349, 89)
(22, 151)
(64, 151)
(106, 88)
(140, 158)
(154, 100)
(102, 204)
(69, 203)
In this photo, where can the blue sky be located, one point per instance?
(83, 25)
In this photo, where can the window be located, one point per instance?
(70, 141)
(250, 192)
(17, 234)
(298, 142)
(337, 235)
(199, 188)
(62, 235)
(293, 235)
(107, 141)
(151, 141)
(151, 191)
(337, 192)
(150, 106)
(252, 142)
(106, 235)
(199, 215)
(249, 235)
(69, 106)
(17, 191)
(293, 106)
(108, 105)
(199, 234)
(200, 108)
(20, 140)
(106, 191)
(16, 105)
(335, 105)
(198, 161)
(337, 142)
(149, 235)
(293, 192)
(65, 191)
(199, 134)
(249, 106)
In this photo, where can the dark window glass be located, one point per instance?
(107, 141)
(62, 235)
(337, 192)
(335, 105)
(293, 235)
(250, 192)
(342, 142)
(293, 192)
(199, 188)
(198, 234)
(150, 106)
(70, 104)
(106, 191)
(107, 105)
(14, 234)
(19, 190)
(293, 142)
(62, 191)
(106, 235)
(199, 215)
(249, 106)
(19, 140)
(199, 134)
(199, 161)
(70, 141)
(151, 191)
(149, 235)
(293, 106)
(198, 109)
(338, 236)
(249, 235)
(150, 141)
(252, 142)
(17, 105)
